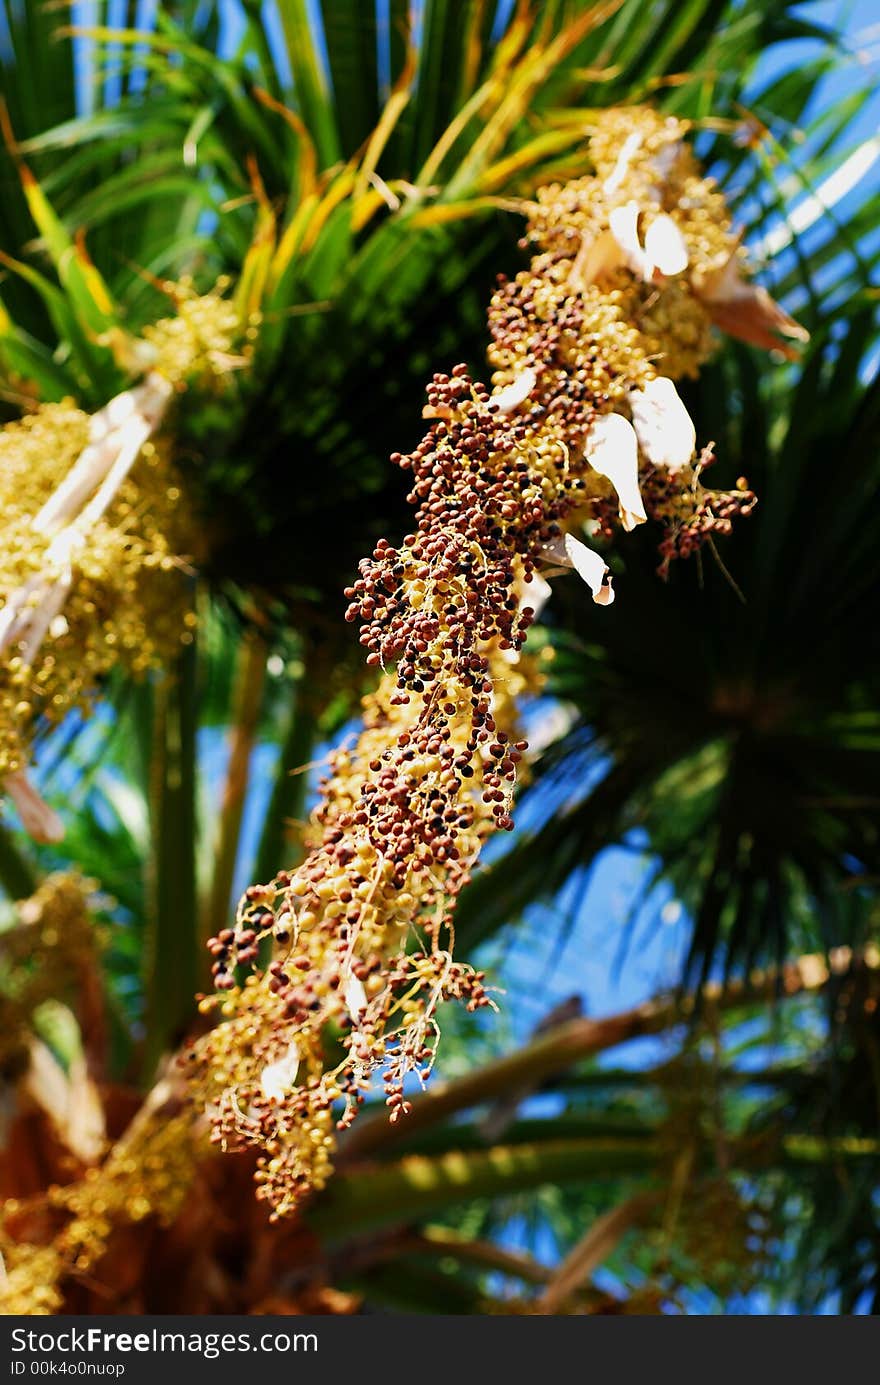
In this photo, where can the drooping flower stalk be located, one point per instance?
(583, 423)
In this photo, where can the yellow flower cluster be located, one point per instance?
(148, 1173)
(29, 1279)
(43, 955)
(720, 1232)
(48, 953)
(95, 519)
(125, 605)
(646, 216)
(201, 342)
(97, 532)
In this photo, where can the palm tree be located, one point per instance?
(360, 185)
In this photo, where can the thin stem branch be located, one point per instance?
(584, 1038)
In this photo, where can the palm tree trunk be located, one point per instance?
(172, 948)
(247, 701)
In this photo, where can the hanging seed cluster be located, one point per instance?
(700, 517)
(396, 835)
(644, 176)
(362, 933)
(597, 327)
(630, 268)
